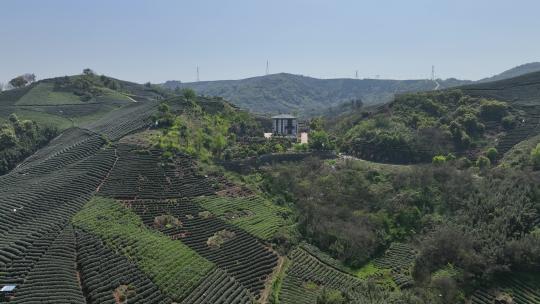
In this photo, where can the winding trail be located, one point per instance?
(438, 85)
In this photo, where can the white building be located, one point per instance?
(285, 125)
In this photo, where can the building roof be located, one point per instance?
(283, 116)
(8, 288)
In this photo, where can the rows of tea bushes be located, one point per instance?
(69, 147)
(528, 127)
(399, 258)
(323, 257)
(173, 266)
(243, 256)
(219, 288)
(145, 174)
(70, 110)
(254, 214)
(103, 272)
(36, 206)
(307, 277)
(53, 278)
(119, 123)
(523, 289)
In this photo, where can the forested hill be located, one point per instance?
(294, 93)
(465, 121)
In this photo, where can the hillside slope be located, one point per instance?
(514, 72)
(64, 102)
(465, 121)
(88, 197)
(294, 93)
(523, 89)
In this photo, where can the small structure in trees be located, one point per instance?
(7, 292)
(285, 125)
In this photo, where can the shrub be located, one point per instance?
(471, 124)
(509, 122)
(492, 154)
(279, 148)
(319, 140)
(438, 160)
(493, 109)
(205, 214)
(464, 163)
(166, 221)
(123, 293)
(535, 157)
(164, 108)
(331, 296)
(300, 147)
(465, 140)
(189, 94)
(219, 238)
(483, 162)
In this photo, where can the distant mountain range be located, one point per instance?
(285, 93)
(280, 93)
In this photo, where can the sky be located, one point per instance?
(158, 40)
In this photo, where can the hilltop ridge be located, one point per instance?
(285, 92)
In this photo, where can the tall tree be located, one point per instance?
(29, 77)
(18, 82)
(88, 71)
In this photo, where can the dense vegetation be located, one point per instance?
(354, 210)
(211, 129)
(19, 139)
(416, 127)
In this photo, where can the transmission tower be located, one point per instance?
(267, 70)
(198, 74)
(432, 73)
(356, 74)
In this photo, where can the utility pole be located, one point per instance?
(198, 74)
(267, 70)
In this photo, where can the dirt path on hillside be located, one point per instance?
(268, 285)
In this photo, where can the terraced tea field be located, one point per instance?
(307, 276)
(243, 256)
(94, 217)
(399, 259)
(81, 222)
(523, 289)
(528, 127)
(252, 213)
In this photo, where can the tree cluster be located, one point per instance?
(19, 139)
(481, 227)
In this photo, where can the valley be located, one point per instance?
(130, 202)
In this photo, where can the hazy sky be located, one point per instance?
(161, 40)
